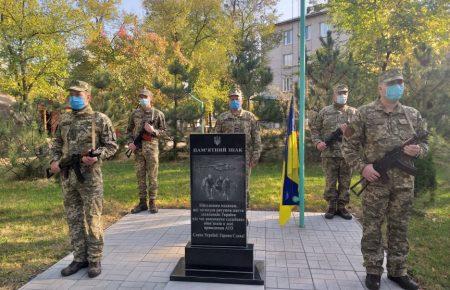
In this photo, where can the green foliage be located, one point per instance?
(254, 35)
(24, 144)
(328, 67)
(119, 66)
(198, 33)
(176, 90)
(311, 153)
(269, 110)
(427, 87)
(426, 174)
(383, 34)
(273, 145)
(250, 72)
(33, 54)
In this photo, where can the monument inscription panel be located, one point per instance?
(218, 215)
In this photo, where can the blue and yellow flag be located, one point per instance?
(289, 191)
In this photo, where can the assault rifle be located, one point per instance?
(74, 162)
(336, 136)
(138, 140)
(393, 159)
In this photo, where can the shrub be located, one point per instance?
(426, 174)
(25, 145)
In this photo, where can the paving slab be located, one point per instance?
(141, 251)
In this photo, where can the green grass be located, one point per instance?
(429, 231)
(33, 232)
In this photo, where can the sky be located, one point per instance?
(286, 8)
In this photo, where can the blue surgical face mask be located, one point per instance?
(341, 99)
(144, 102)
(235, 105)
(77, 102)
(394, 92)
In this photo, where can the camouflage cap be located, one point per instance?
(235, 92)
(340, 88)
(145, 92)
(80, 86)
(390, 75)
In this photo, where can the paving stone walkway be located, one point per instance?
(142, 250)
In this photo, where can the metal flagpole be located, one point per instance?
(301, 112)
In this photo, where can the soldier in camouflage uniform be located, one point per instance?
(377, 128)
(78, 132)
(334, 166)
(149, 122)
(237, 120)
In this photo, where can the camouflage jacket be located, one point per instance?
(374, 132)
(74, 135)
(137, 119)
(327, 121)
(245, 122)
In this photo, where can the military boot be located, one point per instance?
(73, 268)
(405, 282)
(343, 212)
(152, 206)
(142, 205)
(95, 268)
(373, 281)
(331, 210)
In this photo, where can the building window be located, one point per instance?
(324, 28)
(287, 59)
(287, 84)
(287, 37)
(307, 32)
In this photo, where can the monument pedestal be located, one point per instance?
(218, 251)
(233, 265)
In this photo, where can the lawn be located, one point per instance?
(33, 232)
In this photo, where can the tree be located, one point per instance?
(24, 143)
(254, 35)
(119, 66)
(249, 71)
(33, 55)
(177, 89)
(427, 87)
(328, 67)
(198, 30)
(383, 34)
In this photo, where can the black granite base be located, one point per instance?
(219, 264)
(256, 277)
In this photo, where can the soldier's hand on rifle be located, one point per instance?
(149, 128)
(412, 150)
(370, 173)
(321, 146)
(54, 167)
(343, 127)
(89, 160)
(132, 147)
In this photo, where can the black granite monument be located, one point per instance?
(218, 250)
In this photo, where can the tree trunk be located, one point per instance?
(210, 122)
(175, 119)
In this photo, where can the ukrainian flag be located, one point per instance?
(289, 192)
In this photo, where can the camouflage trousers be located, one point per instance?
(336, 171)
(147, 162)
(392, 201)
(247, 183)
(83, 203)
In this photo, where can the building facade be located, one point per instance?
(283, 59)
